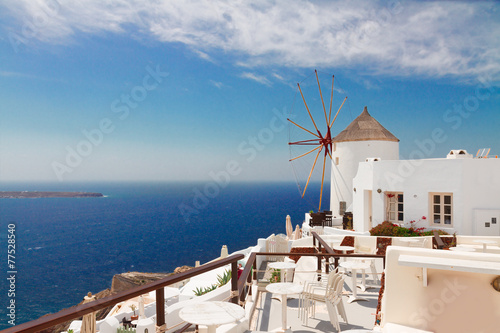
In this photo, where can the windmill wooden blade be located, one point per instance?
(321, 95)
(312, 169)
(310, 116)
(319, 142)
(331, 102)
(310, 151)
(308, 131)
(345, 99)
(322, 181)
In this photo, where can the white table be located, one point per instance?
(485, 242)
(284, 288)
(462, 249)
(282, 266)
(212, 314)
(344, 248)
(354, 266)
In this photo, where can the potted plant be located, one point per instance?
(133, 308)
(275, 276)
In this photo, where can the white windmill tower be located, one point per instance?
(364, 138)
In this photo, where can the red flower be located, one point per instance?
(424, 218)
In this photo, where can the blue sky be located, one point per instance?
(151, 90)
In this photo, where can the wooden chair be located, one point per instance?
(439, 241)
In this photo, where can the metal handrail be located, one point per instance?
(322, 242)
(80, 310)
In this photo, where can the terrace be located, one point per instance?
(416, 278)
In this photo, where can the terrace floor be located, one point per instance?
(360, 314)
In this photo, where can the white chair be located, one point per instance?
(334, 303)
(319, 292)
(276, 243)
(305, 270)
(367, 245)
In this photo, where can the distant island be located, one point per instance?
(37, 194)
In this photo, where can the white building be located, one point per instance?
(362, 139)
(458, 193)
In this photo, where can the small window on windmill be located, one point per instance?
(493, 220)
(342, 207)
(487, 224)
(336, 161)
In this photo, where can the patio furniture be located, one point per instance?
(212, 314)
(354, 266)
(439, 242)
(285, 268)
(318, 291)
(367, 245)
(334, 303)
(283, 289)
(276, 243)
(485, 243)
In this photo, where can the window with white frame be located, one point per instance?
(395, 207)
(441, 208)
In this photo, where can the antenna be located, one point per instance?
(483, 153)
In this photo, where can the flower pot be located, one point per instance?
(134, 317)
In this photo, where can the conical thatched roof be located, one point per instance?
(365, 128)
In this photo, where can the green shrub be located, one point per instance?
(225, 278)
(221, 280)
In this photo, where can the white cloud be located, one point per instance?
(460, 39)
(204, 56)
(217, 84)
(256, 77)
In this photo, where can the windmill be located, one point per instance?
(318, 137)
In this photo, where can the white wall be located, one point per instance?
(350, 154)
(452, 302)
(475, 184)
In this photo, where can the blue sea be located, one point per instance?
(66, 247)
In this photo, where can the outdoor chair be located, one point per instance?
(276, 244)
(268, 275)
(334, 303)
(439, 241)
(318, 291)
(367, 245)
